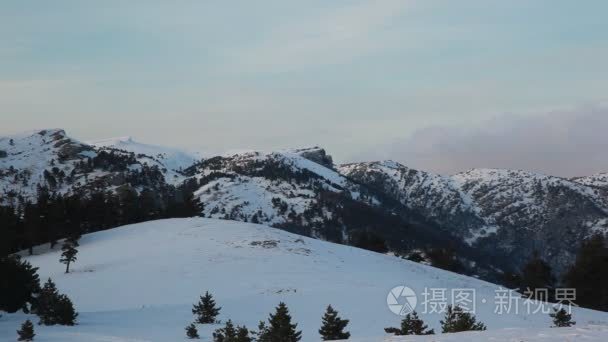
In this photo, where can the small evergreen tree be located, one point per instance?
(411, 325)
(65, 314)
(225, 334)
(205, 310)
(230, 333)
(26, 333)
(457, 320)
(192, 332)
(262, 334)
(46, 302)
(281, 329)
(242, 334)
(54, 308)
(332, 326)
(561, 318)
(68, 254)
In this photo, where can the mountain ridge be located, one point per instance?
(503, 214)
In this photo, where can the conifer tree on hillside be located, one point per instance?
(332, 326)
(262, 334)
(411, 325)
(242, 334)
(68, 254)
(206, 310)
(280, 329)
(65, 314)
(588, 274)
(456, 320)
(54, 308)
(230, 333)
(561, 318)
(26, 333)
(46, 302)
(536, 274)
(192, 332)
(225, 334)
(19, 283)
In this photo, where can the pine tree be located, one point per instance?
(561, 318)
(205, 310)
(19, 283)
(411, 325)
(536, 274)
(65, 314)
(332, 327)
(230, 333)
(242, 334)
(69, 254)
(588, 274)
(54, 308)
(280, 329)
(26, 333)
(192, 332)
(456, 321)
(262, 334)
(46, 302)
(225, 334)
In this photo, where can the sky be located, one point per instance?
(439, 85)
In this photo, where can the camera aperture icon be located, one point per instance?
(401, 300)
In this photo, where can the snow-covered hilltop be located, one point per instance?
(138, 283)
(171, 160)
(27, 160)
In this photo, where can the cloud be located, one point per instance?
(564, 143)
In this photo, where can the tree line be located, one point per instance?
(587, 275)
(54, 216)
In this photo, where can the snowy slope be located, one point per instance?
(588, 333)
(138, 282)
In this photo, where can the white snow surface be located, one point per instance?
(138, 283)
(588, 333)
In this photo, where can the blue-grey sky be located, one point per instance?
(358, 77)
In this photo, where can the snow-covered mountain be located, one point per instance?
(599, 180)
(51, 159)
(27, 160)
(275, 187)
(138, 283)
(170, 160)
(301, 192)
(489, 216)
(505, 213)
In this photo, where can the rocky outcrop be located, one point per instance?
(317, 155)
